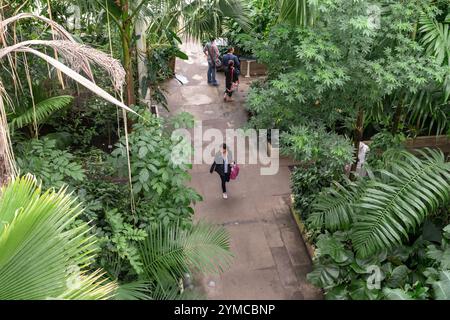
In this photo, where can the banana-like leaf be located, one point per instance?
(441, 288)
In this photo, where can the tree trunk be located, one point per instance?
(6, 165)
(126, 34)
(359, 130)
(141, 48)
(397, 118)
(127, 64)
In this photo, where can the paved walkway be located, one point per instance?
(271, 261)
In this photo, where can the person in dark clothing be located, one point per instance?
(222, 165)
(231, 81)
(230, 56)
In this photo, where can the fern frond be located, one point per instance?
(392, 207)
(43, 110)
(334, 208)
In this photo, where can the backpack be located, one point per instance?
(234, 172)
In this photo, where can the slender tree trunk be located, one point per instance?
(141, 48)
(6, 165)
(126, 34)
(358, 135)
(397, 118)
(127, 64)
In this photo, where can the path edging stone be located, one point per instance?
(310, 248)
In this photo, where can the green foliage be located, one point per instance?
(383, 143)
(322, 157)
(41, 256)
(52, 166)
(41, 112)
(380, 226)
(170, 252)
(384, 208)
(90, 120)
(158, 181)
(343, 64)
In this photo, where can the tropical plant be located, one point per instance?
(40, 112)
(322, 158)
(416, 271)
(52, 167)
(393, 202)
(78, 55)
(168, 253)
(44, 253)
(158, 180)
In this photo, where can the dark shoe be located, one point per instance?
(215, 84)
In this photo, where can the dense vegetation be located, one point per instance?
(342, 72)
(105, 198)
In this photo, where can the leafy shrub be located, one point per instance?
(380, 223)
(382, 143)
(322, 157)
(158, 182)
(53, 166)
(418, 271)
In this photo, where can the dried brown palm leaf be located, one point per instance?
(58, 33)
(7, 163)
(78, 57)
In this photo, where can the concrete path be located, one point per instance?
(271, 261)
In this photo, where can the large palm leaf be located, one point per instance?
(43, 255)
(169, 252)
(399, 201)
(436, 38)
(299, 12)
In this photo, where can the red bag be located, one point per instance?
(234, 172)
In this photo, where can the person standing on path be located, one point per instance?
(231, 81)
(230, 56)
(222, 165)
(211, 51)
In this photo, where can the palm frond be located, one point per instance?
(138, 290)
(42, 111)
(170, 252)
(400, 200)
(334, 208)
(436, 38)
(298, 12)
(42, 255)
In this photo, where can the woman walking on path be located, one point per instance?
(222, 165)
(231, 81)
